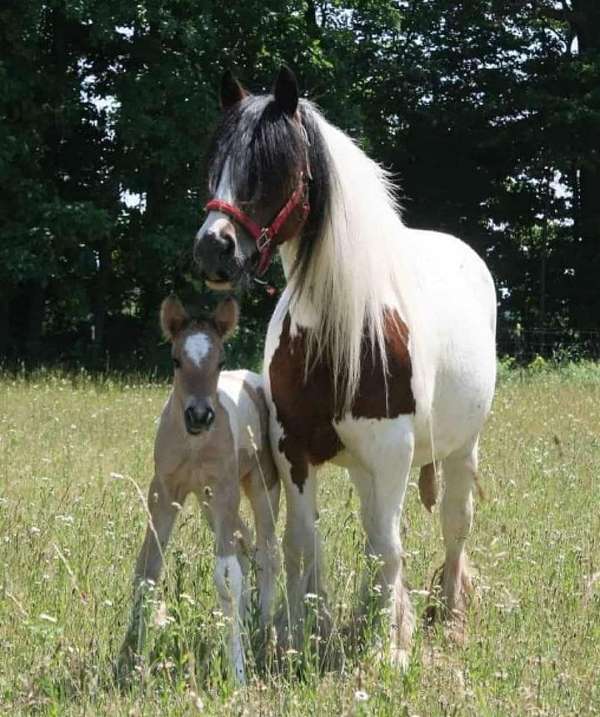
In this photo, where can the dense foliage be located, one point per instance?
(488, 111)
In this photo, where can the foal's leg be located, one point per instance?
(456, 510)
(163, 505)
(265, 506)
(381, 490)
(223, 507)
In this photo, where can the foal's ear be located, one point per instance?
(226, 317)
(286, 91)
(173, 317)
(231, 91)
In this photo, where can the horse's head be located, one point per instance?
(263, 180)
(197, 354)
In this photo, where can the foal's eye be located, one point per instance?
(176, 362)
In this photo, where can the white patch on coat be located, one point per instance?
(242, 412)
(215, 220)
(229, 581)
(197, 347)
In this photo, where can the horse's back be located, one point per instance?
(450, 274)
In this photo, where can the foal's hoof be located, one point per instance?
(397, 657)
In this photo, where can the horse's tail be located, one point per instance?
(428, 485)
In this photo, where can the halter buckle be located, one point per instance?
(263, 240)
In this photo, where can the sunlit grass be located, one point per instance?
(70, 529)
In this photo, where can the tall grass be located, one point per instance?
(71, 523)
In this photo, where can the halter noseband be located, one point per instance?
(265, 236)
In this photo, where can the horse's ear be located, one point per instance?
(173, 317)
(286, 90)
(231, 91)
(226, 317)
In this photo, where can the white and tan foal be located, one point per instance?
(212, 441)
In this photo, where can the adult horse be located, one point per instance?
(380, 354)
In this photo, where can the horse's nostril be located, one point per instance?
(228, 243)
(190, 416)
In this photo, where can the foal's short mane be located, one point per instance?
(346, 268)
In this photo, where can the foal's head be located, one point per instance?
(266, 149)
(197, 354)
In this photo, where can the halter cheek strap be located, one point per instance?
(265, 236)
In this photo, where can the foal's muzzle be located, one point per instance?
(198, 417)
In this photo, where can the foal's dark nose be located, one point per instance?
(198, 418)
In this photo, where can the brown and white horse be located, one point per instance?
(212, 441)
(380, 354)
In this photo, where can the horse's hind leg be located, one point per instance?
(456, 511)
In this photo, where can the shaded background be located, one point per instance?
(488, 112)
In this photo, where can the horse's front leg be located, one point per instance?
(303, 554)
(381, 482)
(222, 503)
(163, 507)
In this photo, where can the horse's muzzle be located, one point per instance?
(214, 254)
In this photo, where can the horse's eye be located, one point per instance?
(176, 362)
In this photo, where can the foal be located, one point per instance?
(212, 439)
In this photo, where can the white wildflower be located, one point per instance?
(161, 618)
(47, 618)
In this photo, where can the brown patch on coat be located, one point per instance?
(428, 487)
(307, 409)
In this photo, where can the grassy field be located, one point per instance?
(71, 521)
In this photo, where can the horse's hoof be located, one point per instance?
(124, 667)
(400, 659)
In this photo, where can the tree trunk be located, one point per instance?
(100, 294)
(5, 338)
(585, 25)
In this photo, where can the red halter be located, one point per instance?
(265, 236)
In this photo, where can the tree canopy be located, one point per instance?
(488, 112)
